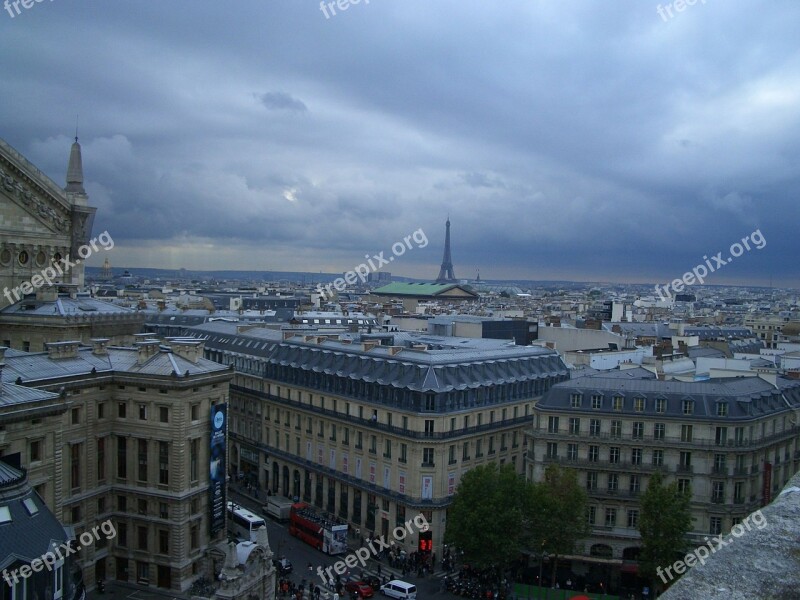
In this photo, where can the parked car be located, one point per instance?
(373, 582)
(399, 590)
(363, 589)
(283, 565)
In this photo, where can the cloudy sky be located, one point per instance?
(566, 139)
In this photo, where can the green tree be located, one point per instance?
(664, 521)
(557, 513)
(485, 518)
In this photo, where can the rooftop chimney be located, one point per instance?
(146, 350)
(47, 293)
(188, 348)
(59, 350)
(144, 337)
(100, 346)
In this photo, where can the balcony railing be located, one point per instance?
(363, 485)
(369, 423)
(602, 465)
(783, 436)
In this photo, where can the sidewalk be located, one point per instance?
(123, 590)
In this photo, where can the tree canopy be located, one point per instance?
(496, 514)
(486, 516)
(558, 511)
(664, 521)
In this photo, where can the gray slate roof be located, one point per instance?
(65, 306)
(747, 397)
(38, 366)
(18, 394)
(446, 363)
(26, 536)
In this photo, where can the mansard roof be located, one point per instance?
(414, 361)
(747, 397)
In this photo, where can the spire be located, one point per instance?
(75, 169)
(446, 274)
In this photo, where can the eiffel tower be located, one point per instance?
(446, 274)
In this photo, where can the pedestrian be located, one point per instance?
(379, 570)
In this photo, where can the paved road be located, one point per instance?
(301, 555)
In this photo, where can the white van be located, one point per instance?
(278, 508)
(399, 589)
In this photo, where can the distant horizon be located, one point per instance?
(327, 277)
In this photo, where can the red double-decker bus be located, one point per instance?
(326, 534)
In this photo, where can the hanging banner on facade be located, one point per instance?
(427, 488)
(218, 471)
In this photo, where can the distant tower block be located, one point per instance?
(106, 272)
(446, 274)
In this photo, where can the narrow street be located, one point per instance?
(302, 555)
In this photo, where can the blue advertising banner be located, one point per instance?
(218, 461)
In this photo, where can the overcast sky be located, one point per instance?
(566, 139)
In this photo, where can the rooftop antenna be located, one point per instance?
(76, 127)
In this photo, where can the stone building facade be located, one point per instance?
(41, 223)
(376, 429)
(732, 443)
(121, 434)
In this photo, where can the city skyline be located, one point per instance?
(574, 143)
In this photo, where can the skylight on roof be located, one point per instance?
(5, 515)
(30, 506)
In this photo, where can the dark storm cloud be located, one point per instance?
(282, 101)
(564, 139)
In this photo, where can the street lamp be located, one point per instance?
(541, 567)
